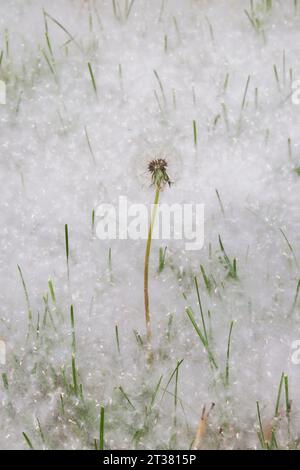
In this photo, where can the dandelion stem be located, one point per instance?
(146, 266)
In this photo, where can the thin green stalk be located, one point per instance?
(28, 441)
(225, 116)
(226, 81)
(287, 399)
(206, 279)
(162, 258)
(52, 293)
(93, 221)
(220, 202)
(126, 397)
(129, 8)
(201, 310)
(73, 330)
(276, 76)
(26, 295)
(290, 152)
(175, 372)
(50, 65)
(228, 355)
(62, 404)
(5, 380)
(279, 396)
(110, 266)
(160, 86)
(154, 395)
(245, 92)
(256, 97)
(67, 247)
(71, 37)
(93, 78)
(49, 44)
(190, 314)
(195, 133)
(74, 375)
(261, 431)
(289, 246)
(41, 430)
(117, 338)
(89, 144)
(296, 295)
(115, 10)
(101, 434)
(146, 266)
(176, 388)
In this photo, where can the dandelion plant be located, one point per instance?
(159, 178)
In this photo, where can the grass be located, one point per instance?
(261, 431)
(207, 282)
(201, 310)
(195, 133)
(245, 93)
(220, 202)
(267, 434)
(93, 222)
(162, 259)
(5, 380)
(287, 399)
(211, 29)
(258, 15)
(160, 87)
(156, 403)
(73, 330)
(290, 247)
(122, 9)
(126, 397)
(173, 374)
(202, 338)
(102, 428)
(48, 61)
(228, 355)
(28, 441)
(41, 431)
(29, 312)
(67, 248)
(89, 141)
(276, 76)
(93, 78)
(51, 289)
(71, 38)
(296, 295)
(117, 338)
(229, 265)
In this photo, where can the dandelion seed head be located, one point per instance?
(159, 166)
(158, 171)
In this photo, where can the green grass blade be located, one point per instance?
(28, 441)
(201, 336)
(93, 78)
(279, 396)
(102, 428)
(26, 295)
(228, 355)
